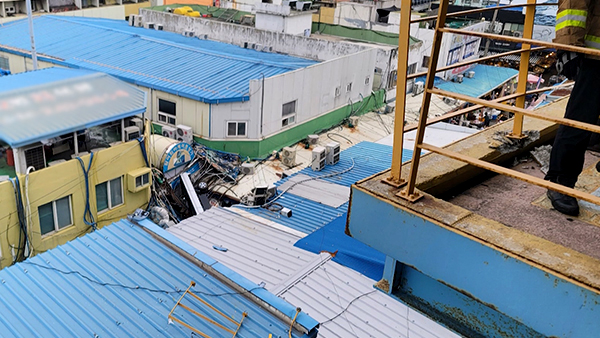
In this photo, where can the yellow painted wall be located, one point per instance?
(195, 116)
(189, 2)
(66, 179)
(135, 8)
(325, 15)
(19, 64)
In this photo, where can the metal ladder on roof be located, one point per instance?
(215, 310)
(228, 15)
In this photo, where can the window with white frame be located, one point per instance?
(55, 215)
(167, 112)
(4, 63)
(142, 180)
(236, 128)
(109, 194)
(288, 114)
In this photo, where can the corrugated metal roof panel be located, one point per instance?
(260, 253)
(486, 79)
(55, 101)
(332, 289)
(321, 287)
(307, 216)
(203, 70)
(111, 283)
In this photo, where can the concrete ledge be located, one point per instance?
(438, 174)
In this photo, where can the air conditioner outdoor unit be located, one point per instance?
(258, 47)
(319, 158)
(518, 34)
(288, 156)
(303, 5)
(418, 88)
(459, 78)
(159, 27)
(189, 34)
(132, 20)
(260, 194)
(138, 21)
(149, 25)
(131, 133)
(169, 132)
(312, 139)
(185, 134)
(333, 153)
(470, 74)
(353, 120)
(247, 169)
(203, 37)
(138, 122)
(10, 10)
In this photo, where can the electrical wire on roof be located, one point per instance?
(137, 287)
(347, 307)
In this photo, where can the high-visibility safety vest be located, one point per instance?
(578, 23)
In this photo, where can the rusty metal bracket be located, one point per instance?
(415, 196)
(517, 137)
(396, 184)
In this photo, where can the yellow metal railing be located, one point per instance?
(395, 179)
(219, 325)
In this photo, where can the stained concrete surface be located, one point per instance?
(509, 201)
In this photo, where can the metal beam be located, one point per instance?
(479, 10)
(470, 62)
(478, 106)
(409, 191)
(401, 76)
(512, 173)
(526, 112)
(576, 49)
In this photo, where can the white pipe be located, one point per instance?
(30, 19)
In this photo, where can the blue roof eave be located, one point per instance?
(139, 83)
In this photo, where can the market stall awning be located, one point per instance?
(486, 79)
(51, 102)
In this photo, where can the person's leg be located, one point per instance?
(567, 157)
(570, 144)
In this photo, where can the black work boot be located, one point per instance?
(563, 203)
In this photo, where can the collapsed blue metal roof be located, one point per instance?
(308, 216)
(121, 281)
(202, 70)
(486, 79)
(51, 102)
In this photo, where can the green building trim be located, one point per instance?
(359, 34)
(262, 148)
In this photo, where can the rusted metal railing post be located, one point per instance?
(523, 71)
(395, 178)
(409, 192)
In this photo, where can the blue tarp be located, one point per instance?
(350, 252)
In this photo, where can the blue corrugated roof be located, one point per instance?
(202, 70)
(112, 283)
(485, 80)
(308, 216)
(55, 101)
